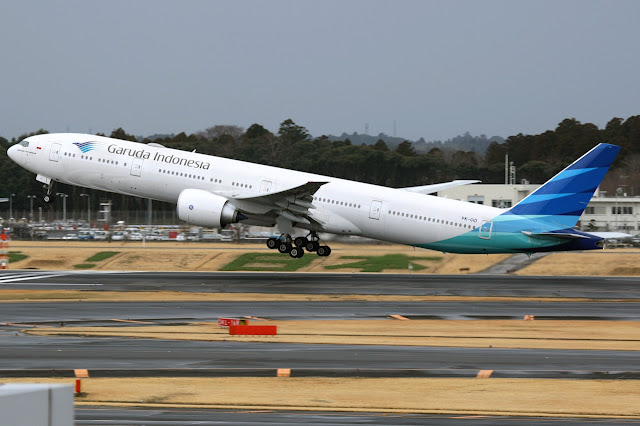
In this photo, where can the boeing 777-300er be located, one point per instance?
(214, 192)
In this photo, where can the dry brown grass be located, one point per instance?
(600, 262)
(585, 335)
(419, 395)
(173, 256)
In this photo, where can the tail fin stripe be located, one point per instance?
(568, 205)
(543, 197)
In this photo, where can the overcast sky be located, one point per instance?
(436, 68)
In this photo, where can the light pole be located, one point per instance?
(11, 206)
(88, 207)
(64, 206)
(31, 197)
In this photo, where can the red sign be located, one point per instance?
(226, 322)
(253, 330)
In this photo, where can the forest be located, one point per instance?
(536, 157)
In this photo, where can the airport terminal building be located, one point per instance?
(619, 214)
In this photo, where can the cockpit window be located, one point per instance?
(24, 143)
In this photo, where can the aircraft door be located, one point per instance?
(376, 207)
(485, 230)
(136, 167)
(54, 153)
(265, 187)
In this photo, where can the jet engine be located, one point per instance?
(202, 208)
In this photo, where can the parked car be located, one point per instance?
(85, 235)
(135, 236)
(100, 235)
(70, 237)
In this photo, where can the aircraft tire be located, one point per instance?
(272, 243)
(284, 247)
(300, 241)
(296, 252)
(312, 246)
(324, 251)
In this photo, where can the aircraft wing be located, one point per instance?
(291, 203)
(430, 189)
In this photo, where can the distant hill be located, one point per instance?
(466, 142)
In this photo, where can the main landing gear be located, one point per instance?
(296, 246)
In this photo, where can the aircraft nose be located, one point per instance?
(12, 152)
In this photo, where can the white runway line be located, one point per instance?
(7, 276)
(53, 284)
(23, 277)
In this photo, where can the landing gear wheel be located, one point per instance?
(296, 252)
(284, 247)
(300, 241)
(312, 246)
(48, 197)
(272, 243)
(324, 251)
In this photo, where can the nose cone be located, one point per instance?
(12, 152)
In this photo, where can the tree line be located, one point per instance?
(537, 158)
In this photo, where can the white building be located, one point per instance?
(36, 404)
(602, 214)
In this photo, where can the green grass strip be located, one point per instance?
(380, 263)
(277, 262)
(84, 266)
(16, 256)
(103, 255)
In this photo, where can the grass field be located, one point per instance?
(16, 256)
(276, 262)
(384, 263)
(494, 397)
(103, 255)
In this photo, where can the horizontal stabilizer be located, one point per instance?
(609, 235)
(561, 235)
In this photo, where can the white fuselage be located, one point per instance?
(159, 173)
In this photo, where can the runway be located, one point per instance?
(31, 352)
(186, 417)
(20, 354)
(330, 283)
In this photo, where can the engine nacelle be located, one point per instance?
(202, 208)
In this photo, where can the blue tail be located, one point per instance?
(561, 201)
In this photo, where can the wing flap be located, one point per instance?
(292, 204)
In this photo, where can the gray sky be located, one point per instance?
(438, 68)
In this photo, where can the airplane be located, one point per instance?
(214, 192)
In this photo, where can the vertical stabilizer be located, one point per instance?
(564, 197)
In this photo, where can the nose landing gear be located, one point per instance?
(296, 246)
(48, 196)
